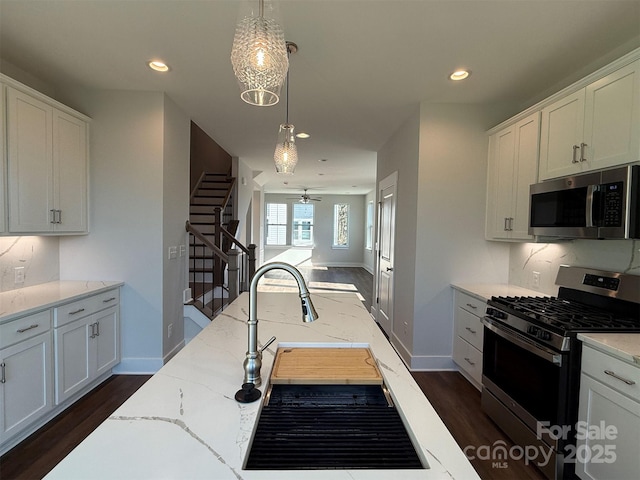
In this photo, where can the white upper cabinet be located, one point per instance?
(513, 163)
(47, 166)
(595, 127)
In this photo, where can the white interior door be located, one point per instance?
(386, 236)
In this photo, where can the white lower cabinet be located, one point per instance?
(609, 418)
(468, 336)
(26, 390)
(41, 368)
(85, 349)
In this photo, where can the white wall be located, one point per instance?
(546, 258)
(440, 154)
(401, 154)
(175, 207)
(323, 254)
(126, 240)
(450, 233)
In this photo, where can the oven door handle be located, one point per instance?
(523, 342)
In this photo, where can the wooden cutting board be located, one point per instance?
(325, 366)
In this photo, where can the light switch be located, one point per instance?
(183, 250)
(18, 275)
(173, 252)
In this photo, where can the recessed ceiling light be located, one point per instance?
(459, 75)
(158, 66)
(302, 135)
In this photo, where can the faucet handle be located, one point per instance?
(269, 342)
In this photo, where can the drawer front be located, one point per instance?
(470, 328)
(85, 306)
(24, 328)
(468, 358)
(470, 304)
(612, 372)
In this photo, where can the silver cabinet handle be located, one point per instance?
(471, 330)
(582, 145)
(389, 269)
(469, 361)
(76, 311)
(53, 216)
(575, 151)
(470, 305)
(93, 330)
(97, 324)
(30, 327)
(109, 300)
(618, 377)
(3, 379)
(506, 220)
(510, 224)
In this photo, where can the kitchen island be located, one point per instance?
(185, 423)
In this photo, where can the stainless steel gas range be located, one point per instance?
(531, 359)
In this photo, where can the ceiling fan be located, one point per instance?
(304, 198)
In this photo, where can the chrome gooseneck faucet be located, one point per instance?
(253, 360)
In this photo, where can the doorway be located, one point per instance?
(385, 259)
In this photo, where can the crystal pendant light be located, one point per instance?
(259, 58)
(286, 154)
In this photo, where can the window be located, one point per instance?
(369, 232)
(276, 223)
(341, 225)
(302, 235)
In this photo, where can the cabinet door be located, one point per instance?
(612, 450)
(29, 125)
(27, 392)
(107, 340)
(561, 135)
(73, 358)
(500, 183)
(70, 172)
(3, 163)
(612, 118)
(525, 173)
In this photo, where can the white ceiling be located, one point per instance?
(361, 69)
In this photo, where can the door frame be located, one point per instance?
(389, 181)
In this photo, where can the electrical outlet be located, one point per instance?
(169, 330)
(183, 250)
(18, 273)
(535, 279)
(173, 252)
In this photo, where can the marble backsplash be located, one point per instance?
(546, 258)
(38, 255)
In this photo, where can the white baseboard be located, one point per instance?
(173, 352)
(422, 363)
(138, 366)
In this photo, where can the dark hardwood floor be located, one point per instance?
(457, 403)
(36, 456)
(323, 279)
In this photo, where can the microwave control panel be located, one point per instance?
(612, 204)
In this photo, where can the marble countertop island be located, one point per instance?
(185, 423)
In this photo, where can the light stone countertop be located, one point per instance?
(484, 291)
(24, 301)
(185, 423)
(625, 346)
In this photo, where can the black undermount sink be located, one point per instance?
(309, 427)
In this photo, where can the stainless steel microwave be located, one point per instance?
(603, 204)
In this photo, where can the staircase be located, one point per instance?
(220, 267)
